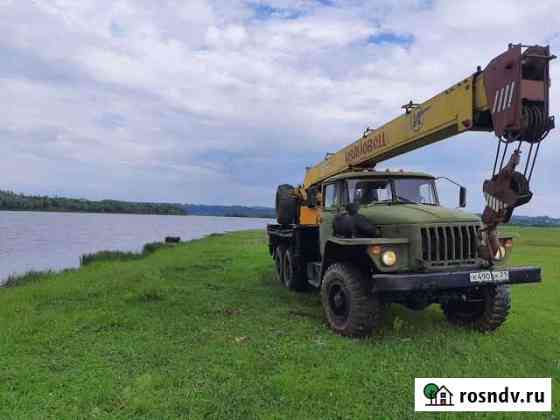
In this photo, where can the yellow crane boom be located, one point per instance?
(449, 113)
(510, 97)
(517, 83)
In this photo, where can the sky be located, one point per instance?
(218, 102)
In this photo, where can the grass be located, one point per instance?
(201, 330)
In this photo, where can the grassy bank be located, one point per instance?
(202, 330)
(17, 280)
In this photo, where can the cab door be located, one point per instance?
(331, 207)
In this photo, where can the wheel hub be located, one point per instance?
(338, 301)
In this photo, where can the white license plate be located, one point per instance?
(489, 276)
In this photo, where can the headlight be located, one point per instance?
(500, 253)
(389, 258)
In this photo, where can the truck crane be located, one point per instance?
(368, 238)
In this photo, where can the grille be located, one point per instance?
(450, 245)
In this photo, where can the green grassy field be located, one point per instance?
(203, 331)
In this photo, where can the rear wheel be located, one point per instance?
(279, 263)
(293, 276)
(485, 309)
(350, 309)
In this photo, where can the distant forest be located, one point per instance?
(13, 201)
(229, 211)
(541, 221)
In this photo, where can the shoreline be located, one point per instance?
(39, 241)
(14, 280)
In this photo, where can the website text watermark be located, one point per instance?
(483, 394)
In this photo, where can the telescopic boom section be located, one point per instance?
(509, 97)
(449, 113)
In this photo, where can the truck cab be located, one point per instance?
(382, 237)
(404, 207)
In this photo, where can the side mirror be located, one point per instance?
(462, 197)
(462, 191)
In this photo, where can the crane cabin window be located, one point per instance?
(329, 196)
(366, 191)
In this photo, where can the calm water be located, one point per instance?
(43, 241)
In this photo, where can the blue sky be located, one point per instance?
(218, 102)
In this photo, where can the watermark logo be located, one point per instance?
(483, 394)
(439, 396)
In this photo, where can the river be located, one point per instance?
(54, 241)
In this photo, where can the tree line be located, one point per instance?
(13, 201)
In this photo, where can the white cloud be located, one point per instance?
(196, 86)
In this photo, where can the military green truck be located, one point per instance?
(369, 238)
(384, 238)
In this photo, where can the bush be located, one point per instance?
(29, 277)
(148, 249)
(152, 247)
(108, 256)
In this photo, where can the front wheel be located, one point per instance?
(350, 308)
(485, 309)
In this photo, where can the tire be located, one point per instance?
(279, 263)
(286, 205)
(293, 276)
(350, 309)
(487, 310)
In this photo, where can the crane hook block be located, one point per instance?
(517, 86)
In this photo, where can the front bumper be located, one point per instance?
(450, 280)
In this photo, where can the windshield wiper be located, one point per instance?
(409, 201)
(405, 200)
(374, 203)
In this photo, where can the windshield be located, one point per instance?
(364, 191)
(403, 190)
(415, 190)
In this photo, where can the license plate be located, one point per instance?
(489, 276)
